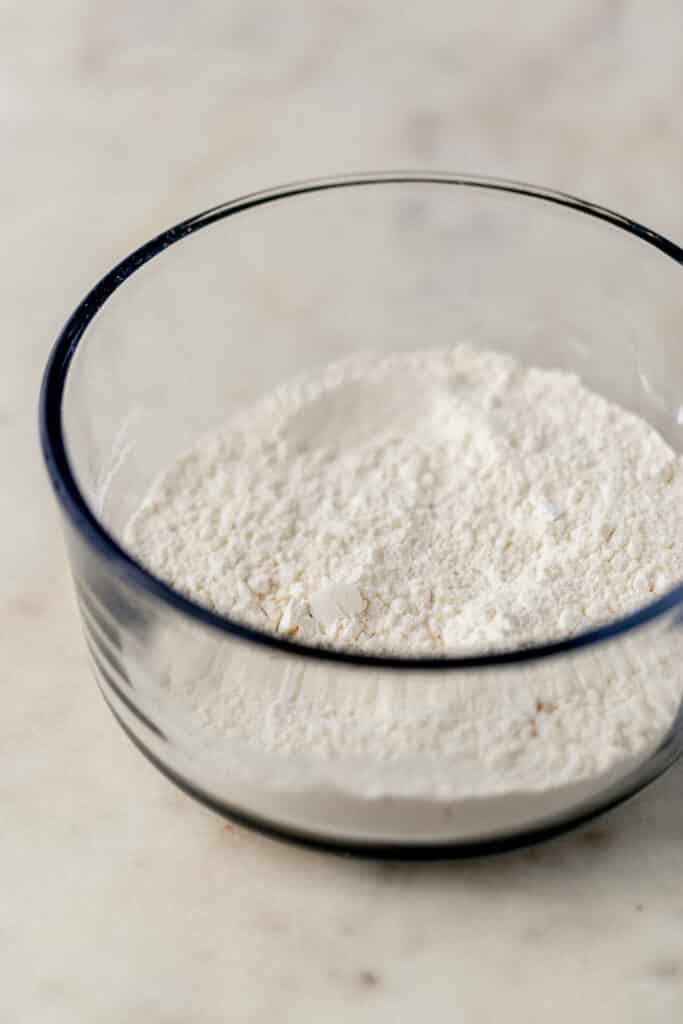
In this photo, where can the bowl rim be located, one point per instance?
(88, 526)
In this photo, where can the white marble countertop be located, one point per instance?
(121, 900)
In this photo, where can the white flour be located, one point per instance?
(428, 503)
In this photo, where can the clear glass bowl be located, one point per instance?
(224, 306)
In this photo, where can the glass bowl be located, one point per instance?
(224, 306)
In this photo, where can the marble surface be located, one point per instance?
(121, 900)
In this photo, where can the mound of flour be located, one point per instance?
(423, 503)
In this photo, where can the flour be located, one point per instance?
(437, 502)
(440, 502)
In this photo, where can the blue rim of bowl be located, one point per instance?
(86, 523)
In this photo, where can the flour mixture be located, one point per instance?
(431, 503)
